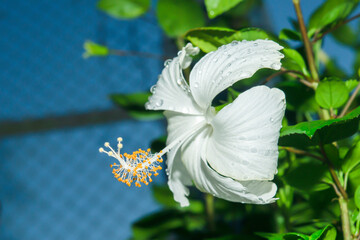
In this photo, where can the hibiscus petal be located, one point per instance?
(243, 144)
(180, 126)
(209, 181)
(220, 69)
(171, 92)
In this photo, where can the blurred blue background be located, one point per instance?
(53, 182)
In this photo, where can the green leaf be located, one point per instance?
(288, 34)
(331, 93)
(333, 154)
(210, 38)
(351, 84)
(177, 17)
(320, 131)
(124, 9)
(308, 177)
(283, 236)
(328, 233)
(357, 197)
(217, 7)
(345, 35)
(94, 50)
(330, 13)
(153, 225)
(134, 104)
(294, 61)
(352, 158)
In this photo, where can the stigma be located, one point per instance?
(135, 168)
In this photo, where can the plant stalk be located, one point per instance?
(210, 211)
(345, 219)
(307, 44)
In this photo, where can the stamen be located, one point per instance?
(137, 167)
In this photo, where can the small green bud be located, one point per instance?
(94, 50)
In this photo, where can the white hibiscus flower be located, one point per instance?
(231, 154)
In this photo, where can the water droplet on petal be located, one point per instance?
(167, 172)
(152, 89)
(275, 66)
(196, 84)
(167, 62)
(245, 74)
(256, 43)
(271, 119)
(179, 82)
(159, 103)
(233, 43)
(179, 53)
(215, 60)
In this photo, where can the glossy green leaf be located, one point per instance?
(308, 177)
(324, 131)
(331, 12)
(134, 104)
(94, 50)
(294, 61)
(333, 154)
(124, 9)
(177, 17)
(288, 34)
(357, 197)
(331, 94)
(352, 158)
(328, 233)
(283, 236)
(351, 84)
(217, 7)
(210, 38)
(346, 35)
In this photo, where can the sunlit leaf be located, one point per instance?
(331, 12)
(328, 233)
(210, 38)
(217, 7)
(294, 61)
(177, 17)
(320, 131)
(94, 50)
(124, 9)
(283, 236)
(357, 197)
(331, 93)
(351, 84)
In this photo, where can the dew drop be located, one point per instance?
(179, 82)
(212, 13)
(215, 60)
(256, 44)
(245, 74)
(167, 62)
(271, 119)
(179, 53)
(152, 89)
(234, 43)
(196, 84)
(167, 172)
(159, 103)
(275, 66)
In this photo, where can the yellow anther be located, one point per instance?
(107, 144)
(119, 139)
(101, 150)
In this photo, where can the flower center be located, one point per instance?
(210, 114)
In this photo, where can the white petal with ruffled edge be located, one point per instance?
(180, 126)
(243, 144)
(193, 154)
(171, 92)
(220, 69)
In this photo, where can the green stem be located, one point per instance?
(345, 220)
(210, 211)
(307, 44)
